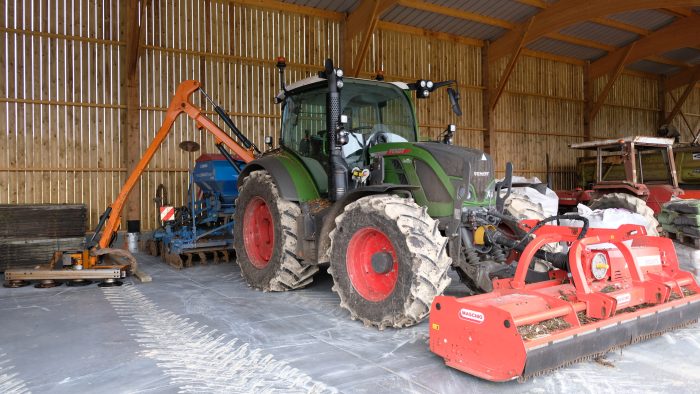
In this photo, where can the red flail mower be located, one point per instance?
(621, 286)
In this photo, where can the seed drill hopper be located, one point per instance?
(614, 288)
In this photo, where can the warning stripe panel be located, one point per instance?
(167, 213)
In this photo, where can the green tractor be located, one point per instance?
(351, 185)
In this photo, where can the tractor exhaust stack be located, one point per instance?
(622, 287)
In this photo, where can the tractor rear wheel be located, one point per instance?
(265, 237)
(630, 203)
(388, 261)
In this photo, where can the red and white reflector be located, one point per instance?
(167, 214)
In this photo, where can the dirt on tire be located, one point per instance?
(285, 270)
(630, 203)
(421, 257)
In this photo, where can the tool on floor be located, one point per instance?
(98, 260)
(615, 287)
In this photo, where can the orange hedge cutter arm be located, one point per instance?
(179, 104)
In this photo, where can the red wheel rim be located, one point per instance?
(258, 232)
(371, 285)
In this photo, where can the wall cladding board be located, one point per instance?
(690, 113)
(61, 109)
(62, 104)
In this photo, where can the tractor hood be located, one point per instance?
(452, 159)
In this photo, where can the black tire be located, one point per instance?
(283, 270)
(420, 257)
(630, 203)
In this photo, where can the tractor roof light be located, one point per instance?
(429, 84)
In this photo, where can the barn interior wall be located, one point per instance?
(62, 101)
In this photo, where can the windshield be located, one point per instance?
(377, 112)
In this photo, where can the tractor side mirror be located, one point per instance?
(454, 101)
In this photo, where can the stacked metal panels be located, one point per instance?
(29, 234)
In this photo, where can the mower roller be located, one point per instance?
(615, 287)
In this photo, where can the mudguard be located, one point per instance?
(291, 177)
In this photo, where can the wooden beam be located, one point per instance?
(457, 13)
(383, 25)
(288, 7)
(489, 135)
(677, 11)
(132, 147)
(680, 112)
(682, 78)
(682, 33)
(363, 21)
(621, 26)
(681, 100)
(581, 42)
(601, 21)
(665, 60)
(568, 12)
(509, 67)
(661, 98)
(611, 81)
(587, 102)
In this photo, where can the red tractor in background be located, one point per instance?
(635, 173)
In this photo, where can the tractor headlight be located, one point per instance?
(599, 266)
(422, 83)
(429, 84)
(339, 73)
(340, 84)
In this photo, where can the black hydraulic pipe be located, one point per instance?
(558, 260)
(228, 157)
(229, 122)
(100, 224)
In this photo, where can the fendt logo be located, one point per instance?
(473, 316)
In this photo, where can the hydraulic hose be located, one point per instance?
(558, 260)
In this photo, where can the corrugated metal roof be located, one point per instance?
(442, 23)
(507, 10)
(565, 49)
(646, 19)
(599, 33)
(328, 5)
(687, 55)
(652, 67)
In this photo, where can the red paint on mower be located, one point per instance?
(624, 286)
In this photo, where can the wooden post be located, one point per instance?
(661, 98)
(587, 101)
(131, 123)
(487, 111)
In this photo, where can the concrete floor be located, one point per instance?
(203, 330)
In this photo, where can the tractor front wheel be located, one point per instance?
(388, 261)
(265, 237)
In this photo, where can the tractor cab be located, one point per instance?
(637, 165)
(372, 112)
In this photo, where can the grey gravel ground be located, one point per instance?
(203, 330)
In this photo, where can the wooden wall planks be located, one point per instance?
(62, 104)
